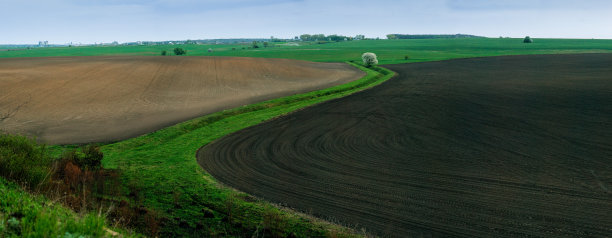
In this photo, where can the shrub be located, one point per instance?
(77, 179)
(527, 40)
(23, 160)
(72, 174)
(151, 219)
(88, 157)
(164, 52)
(93, 157)
(179, 51)
(369, 59)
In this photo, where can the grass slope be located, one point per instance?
(388, 51)
(26, 215)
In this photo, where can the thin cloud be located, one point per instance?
(182, 6)
(520, 5)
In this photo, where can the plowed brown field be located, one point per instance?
(517, 146)
(95, 99)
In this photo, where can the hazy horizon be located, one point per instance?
(96, 21)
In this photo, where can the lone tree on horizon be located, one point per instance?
(369, 59)
(527, 40)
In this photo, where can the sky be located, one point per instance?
(95, 21)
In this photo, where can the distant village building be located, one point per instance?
(43, 43)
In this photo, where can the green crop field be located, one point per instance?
(162, 166)
(388, 51)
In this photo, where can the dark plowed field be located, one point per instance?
(487, 147)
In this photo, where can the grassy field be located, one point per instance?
(388, 51)
(161, 168)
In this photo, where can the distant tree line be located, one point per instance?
(405, 36)
(322, 37)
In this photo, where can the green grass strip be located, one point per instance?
(162, 168)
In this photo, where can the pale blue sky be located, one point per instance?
(89, 21)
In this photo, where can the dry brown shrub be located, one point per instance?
(152, 222)
(125, 214)
(72, 175)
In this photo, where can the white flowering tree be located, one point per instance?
(369, 59)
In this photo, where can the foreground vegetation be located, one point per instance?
(25, 215)
(389, 51)
(22, 214)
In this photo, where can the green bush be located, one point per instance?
(89, 157)
(23, 160)
(164, 52)
(28, 163)
(179, 51)
(527, 40)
